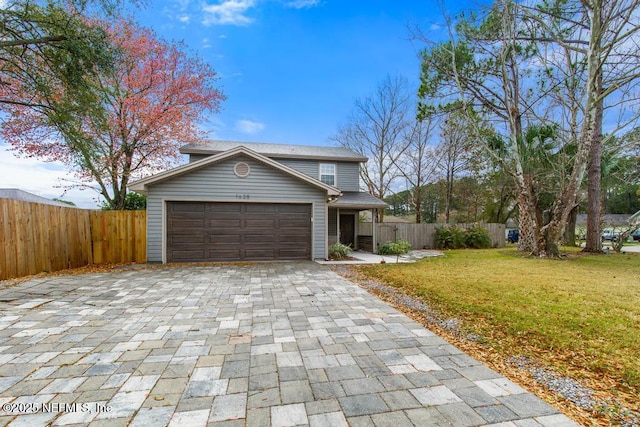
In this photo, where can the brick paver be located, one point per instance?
(267, 344)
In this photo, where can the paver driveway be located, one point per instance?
(268, 344)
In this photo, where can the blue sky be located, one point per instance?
(291, 69)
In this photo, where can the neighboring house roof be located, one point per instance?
(608, 220)
(141, 185)
(357, 200)
(17, 194)
(287, 151)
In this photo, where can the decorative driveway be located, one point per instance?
(278, 344)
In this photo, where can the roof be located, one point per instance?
(17, 194)
(283, 151)
(141, 185)
(357, 200)
(608, 220)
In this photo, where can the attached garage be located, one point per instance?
(224, 231)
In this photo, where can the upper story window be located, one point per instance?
(328, 173)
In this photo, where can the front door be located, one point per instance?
(347, 230)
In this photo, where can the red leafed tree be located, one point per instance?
(152, 103)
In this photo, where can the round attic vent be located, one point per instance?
(241, 169)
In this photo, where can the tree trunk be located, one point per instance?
(447, 202)
(593, 240)
(570, 230)
(418, 204)
(528, 239)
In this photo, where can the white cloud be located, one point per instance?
(184, 18)
(40, 178)
(228, 12)
(249, 127)
(301, 4)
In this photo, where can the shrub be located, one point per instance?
(450, 237)
(395, 248)
(477, 237)
(339, 251)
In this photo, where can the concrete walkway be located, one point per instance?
(360, 257)
(278, 344)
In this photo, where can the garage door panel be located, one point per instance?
(237, 231)
(260, 208)
(260, 254)
(290, 254)
(266, 239)
(216, 223)
(251, 223)
(186, 256)
(190, 239)
(227, 255)
(224, 239)
(301, 223)
(187, 223)
(223, 207)
(293, 238)
(187, 207)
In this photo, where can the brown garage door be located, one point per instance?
(200, 231)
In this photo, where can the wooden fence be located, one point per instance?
(423, 236)
(35, 237)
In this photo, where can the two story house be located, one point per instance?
(239, 201)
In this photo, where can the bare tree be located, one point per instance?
(455, 153)
(603, 38)
(489, 65)
(419, 164)
(481, 69)
(375, 129)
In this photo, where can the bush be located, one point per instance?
(450, 237)
(395, 248)
(477, 237)
(339, 251)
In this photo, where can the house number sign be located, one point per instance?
(243, 196)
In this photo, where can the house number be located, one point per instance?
(243, 196)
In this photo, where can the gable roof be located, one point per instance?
(283, 151)
(141, 185)
(357, 200)
(17, 194)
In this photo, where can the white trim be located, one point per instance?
(335, 173)
(213, 200)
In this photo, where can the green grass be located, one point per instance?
(580, 314)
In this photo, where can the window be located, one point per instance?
(328, 173)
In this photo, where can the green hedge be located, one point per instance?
(453, 237)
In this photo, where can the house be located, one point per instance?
(238, 201)
(24, 196)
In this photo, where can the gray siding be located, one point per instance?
(196, 157)
(218, 182)
(347, 173)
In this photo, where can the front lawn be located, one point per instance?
(579, 316)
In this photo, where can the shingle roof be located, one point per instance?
(357, 200)
(287, 151)
(608, 220)
(17, 194)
